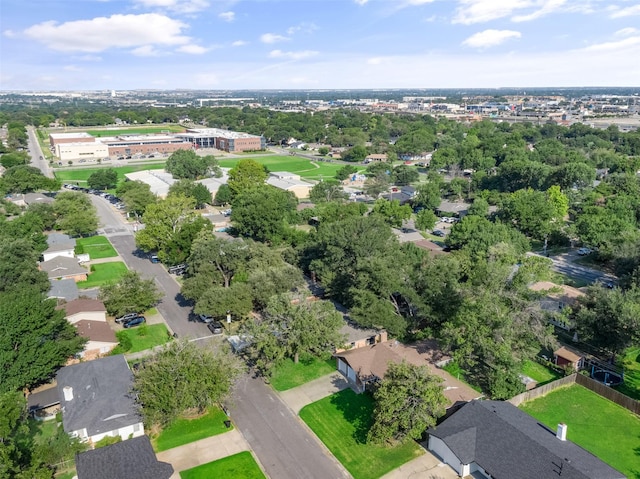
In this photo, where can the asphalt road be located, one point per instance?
(564, 265)
(37, 157)
(285, 448)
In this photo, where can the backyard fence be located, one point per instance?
(595, 386)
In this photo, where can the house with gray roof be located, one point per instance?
(133, 459)
(495, 439)
(62, 267)
(59, 245)
(63, 289)
(97, 400)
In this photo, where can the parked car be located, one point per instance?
(584, 251)
(177, 269)
(438, 233)
(205, 318)
(154, 258)
(215, 327)
(134, 322)
(126, 317)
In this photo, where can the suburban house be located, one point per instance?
(557, 297)
(375, 158)
(404, 194)
(496, 440)
(358, 337)
(367, 365)
(62, 267)
(97, 401)
(430, 246)
(59, 245)
(133, 459)
(100, 338)
(290, 182)
(87, 309)
(44, 402)
(452, 208)
(30, 199)
(63, 289)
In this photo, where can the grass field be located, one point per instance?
(342, 421)
(453, 368)
(539, 373)
(288, 374)
(80, 175)
(292, 164)
(96, 247)
(631, 384)
(600, 426)
(142, 338)
(141, 130)
(103, 273)
(184, 431)
(238, 466)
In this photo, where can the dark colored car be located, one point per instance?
(438, 233)
(205, 318)
(215, 327)
(126, 317)
(134, 322)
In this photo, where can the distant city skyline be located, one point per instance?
(317, 44)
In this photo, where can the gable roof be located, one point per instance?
(373, 361)
(133, 459)
(102, 398)
(43, 397)
(82, 306)
(66, 289)
(96, 331)
(55, 238)
(506, 442)
(60, 247)
(61, 266)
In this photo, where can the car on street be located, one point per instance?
(154, 258)
(438, 233)
(178, 269)
(584, 251)
(205, 318)
(126, 317)
(133, 322)
(215, 327)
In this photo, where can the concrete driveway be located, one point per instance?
(426, 466)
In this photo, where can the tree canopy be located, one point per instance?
(187, 164)
(261, 213)
(130, 294)
(103, 179)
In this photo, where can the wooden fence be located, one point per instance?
(595, 386)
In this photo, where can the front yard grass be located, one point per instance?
(103, 273)
(183, 431)
(97, 247)
(600, 426)
(342, 421)
(288, 374)
(141, 338)
(453, 368)
(631, 364)
(539, 373)
(238, 466)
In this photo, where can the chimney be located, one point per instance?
(562, 432)
(68, 393)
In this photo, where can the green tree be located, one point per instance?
(14, 158)
(426, 220)
(260, 213)
(223, 195)
(345, 172)
(476, 235)
(189, 188)
(392, 212)
(409, 400)
(324, 150)
(18, 265)
(35, 338)
(75, 213)
(136, 196)
(130, 294)
(103, 179)
(186, 164)
(246, 175)
(181, 378)
(326, 191)
(355, 154)
(376, 185)
(404, 175)
(428, 195)
(24, 178)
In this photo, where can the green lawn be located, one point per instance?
(184, 431)
(81, 175)
(453, 368)
(342, 421)
(539, 373)
(96, 246)
(631, 364)
(142, 338)
(292, 164)
(103, 273)
(288, 374)
(144, 130)
(238, 466)
(600, 426)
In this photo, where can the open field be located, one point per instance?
(80, 175)
(288, 374)
(96, 247)
(301, 166)
(600, 426)
(103, 273)
(184, 431)
(539, 373)
(238, 466)
(140, 130)
(142, 338)
(342, 421)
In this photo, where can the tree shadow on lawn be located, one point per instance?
(357, 410)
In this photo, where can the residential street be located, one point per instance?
(37, 157)
(563, 264)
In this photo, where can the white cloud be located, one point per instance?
(103, 33)
(193, 49)
(614, 46)
(273, 38)
(9, 33)
(303, 27)
(177, 6)
(292, 55)
(239, 43)
(478, 11)
(227, 16)
(146, 51)
(546, 8)
(625, 32)
(72, 68)
(490, 38)
(361, 2)
(617, 12)
(374, 61)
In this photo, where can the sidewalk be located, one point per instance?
(204, 451)
(105, 260)
(299, 397)
(427, 466)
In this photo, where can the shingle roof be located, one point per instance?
(133, 459)
(61, 266)
(83, 305)
(55, 238)
(508, 443)
(66, 289)
(102, 398)
(96, 331)
(43, 397)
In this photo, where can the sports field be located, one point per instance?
(80, 175)
(143, 130)
(308, 169)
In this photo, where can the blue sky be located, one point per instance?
(316, 44)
